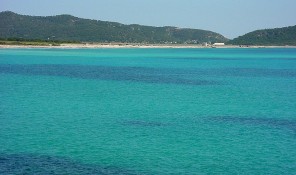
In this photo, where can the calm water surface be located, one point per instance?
(148, 111)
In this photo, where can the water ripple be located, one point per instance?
(271, 122)
(141, 123)
(136, 74)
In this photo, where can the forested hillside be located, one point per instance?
(70, 28)
(277, 36)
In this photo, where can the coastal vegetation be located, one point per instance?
(277, 37)
(70, 28)
(32, 42)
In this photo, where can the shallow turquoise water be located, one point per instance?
(148, 111)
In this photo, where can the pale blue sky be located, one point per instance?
(228, 17)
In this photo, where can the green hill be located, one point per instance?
(277, 36)
(70, 28)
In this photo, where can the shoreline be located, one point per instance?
(97, 46)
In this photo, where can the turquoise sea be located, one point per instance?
(148, 111)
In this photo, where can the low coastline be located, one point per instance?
(111, 45)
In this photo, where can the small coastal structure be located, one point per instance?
(205, 44)
(219, 44)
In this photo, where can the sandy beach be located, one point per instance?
(77, 46)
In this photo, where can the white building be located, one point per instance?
(219, 44)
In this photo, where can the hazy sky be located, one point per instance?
(228, 17)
